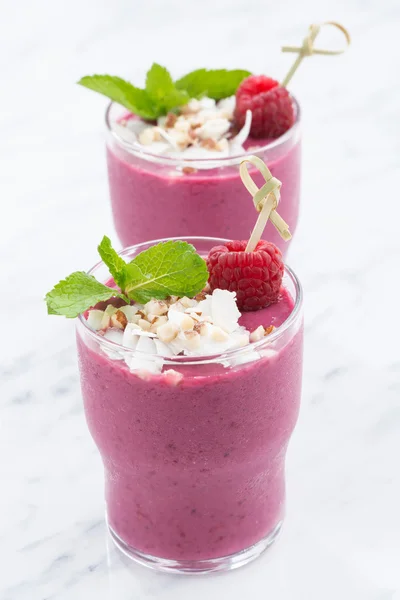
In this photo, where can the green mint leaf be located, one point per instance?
(170, 268)
(162, 91)
(173, 100)
(123, 92)
(120, 271)
(217, 83)
(158, 82)
(115, 263)
(76, 293)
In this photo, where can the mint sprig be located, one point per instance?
(162, 94)
(170, 268)
(215, 83)
(158, 98)
(120, 271)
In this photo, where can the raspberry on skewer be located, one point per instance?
(270, 104)
(268, 100)
(252, 269)
(256, 276)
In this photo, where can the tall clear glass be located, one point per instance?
(194, 456)
(156, 197)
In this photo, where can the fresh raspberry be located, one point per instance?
(256, 277)
(270, 104)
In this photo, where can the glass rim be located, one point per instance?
(137, 149)
(203, 359)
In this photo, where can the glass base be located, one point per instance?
(193, 567)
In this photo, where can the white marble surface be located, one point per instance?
(342, 535)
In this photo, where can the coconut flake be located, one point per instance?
(205, 307)
(130, 336)
(125, 133)
(213, 129)
(168, 137)
(138, 362)
(163, 349)
(116, 336)
(248, 356)
(176, 316)
(238, 141)
(224, 310)
(94, 319)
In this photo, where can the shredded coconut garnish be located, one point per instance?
(201, 326)
(201, 129)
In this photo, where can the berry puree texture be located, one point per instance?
(152, 200)
(196, 470)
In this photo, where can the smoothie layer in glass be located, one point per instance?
(196, 470)
(157, 198)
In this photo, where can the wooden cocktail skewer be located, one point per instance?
(267, 197)
(307, 48)
(265, 200)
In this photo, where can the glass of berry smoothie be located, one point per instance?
(157, 192)
(194, 442)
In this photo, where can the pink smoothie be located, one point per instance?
(196, 470)
(152, 200)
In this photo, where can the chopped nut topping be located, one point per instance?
(157, 322)
(187, 302)
(146, 137)
(192, 134)
(188, 170)
(200, 328)
(187, 323)
(196, 129)
(167, 332)
(157, 135)
(156, 307)
(170, 120)
(119, 320)
(201, 296)
(192, 339)
(106, 320)
(222, 145)
(173, 376)
(145, 325)
(218, 334)
(191, 107)
(176, 326)
(209, 143)
(257, 334)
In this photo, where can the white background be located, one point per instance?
(342, 535)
